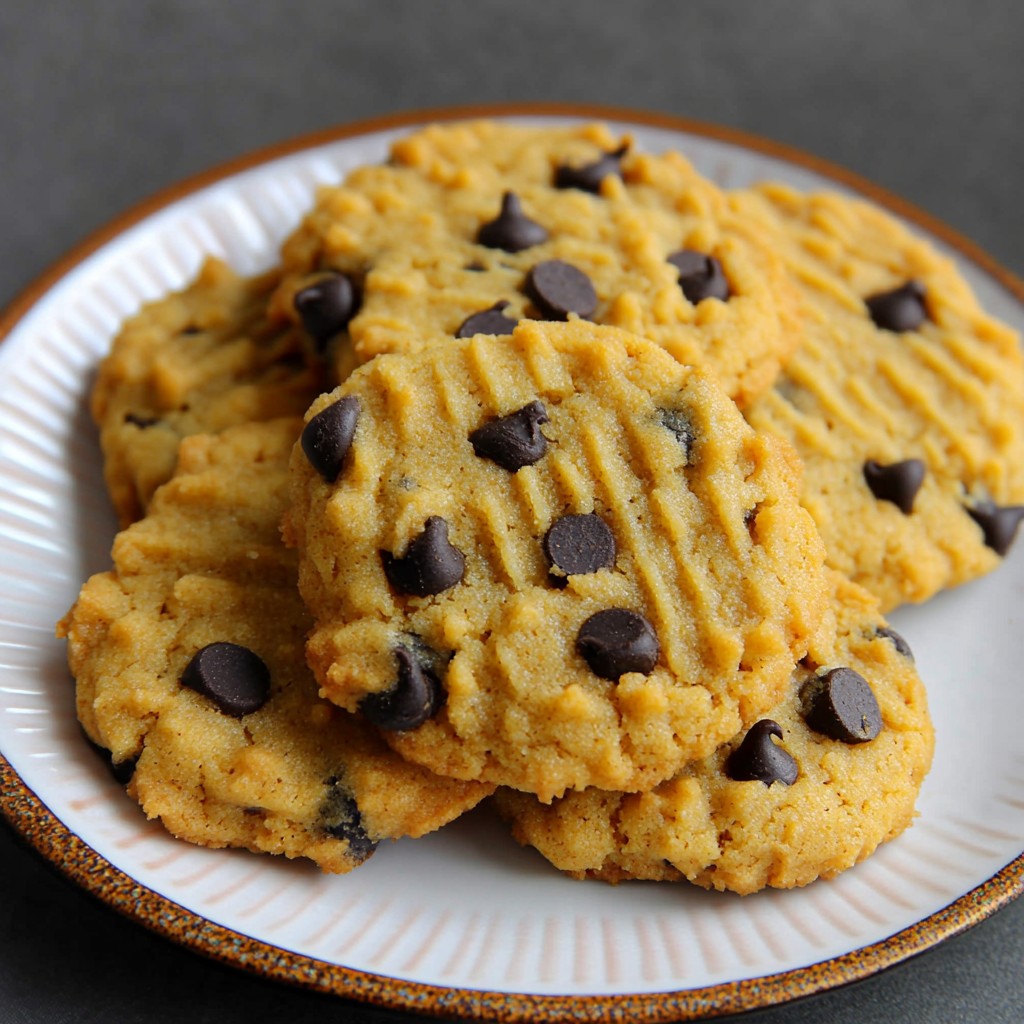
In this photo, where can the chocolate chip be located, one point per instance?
(897, 482)
(902, 309)
(430, 564)
(579, 544)
(416, 696)
(236, 679)
(678, 424)
(515, 440)
(430, 660)
(998, 523)
(841, 705)
(326, 306)
(589, 176)
(487, 321)
(121, 770)
(327, 437)
(898, 641)
(759, 759)
(616, 641)
(511, 230)
(140, 421)
(700, 276)
(341, 819)
(293, 361)
(558, 289)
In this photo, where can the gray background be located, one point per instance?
(102, 103)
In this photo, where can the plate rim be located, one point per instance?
(75, 859)
(34, 822)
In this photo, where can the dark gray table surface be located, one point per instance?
(104, 102)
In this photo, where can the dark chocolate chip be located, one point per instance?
(236, 679)
(475, 267)
(759, 759)
(617, 641)
(341, 819)
(558, 289)
(998, 523)
(789, 391)
(430, 660)
(326, 306)
(192, 329)
(511, 230)
(293, 361)
(430, 564)
(678, 424)
(515, 440)
(580, 543)
(121, 770)
(750, 522)
(589, 176)
(327, 437)
(841, 705)
(902, 309)
(897, 639)
(487, 321)
(700, 276)
(897, 482)
(140, 421)
(416, 696)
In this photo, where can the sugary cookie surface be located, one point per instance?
(905, 401)
(196, 361)
(188, 658)
(473, 225)
(550, 560)
(814, 787)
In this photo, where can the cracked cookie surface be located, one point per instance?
(551, 558)
(188, 659)
(466, 219)
(905, 401)
(193, 362)
(786, 804)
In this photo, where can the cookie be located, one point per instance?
(905, 401)
(550, 560)
(472, 226)
(188, 657)
(194, 362)
(811, 789)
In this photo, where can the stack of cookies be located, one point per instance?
(542, 470)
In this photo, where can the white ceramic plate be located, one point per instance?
(425, 924)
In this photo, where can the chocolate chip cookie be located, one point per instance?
(552, 559)
(188, 657)
(806, 792)
(194, 362)
(474, 225)
(905, 401)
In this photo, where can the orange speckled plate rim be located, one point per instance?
(34, 821)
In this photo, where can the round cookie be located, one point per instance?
(905, 402)
(550, 560)
(783, 805)
(195, 362)
(189, 664)
(474, 225)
